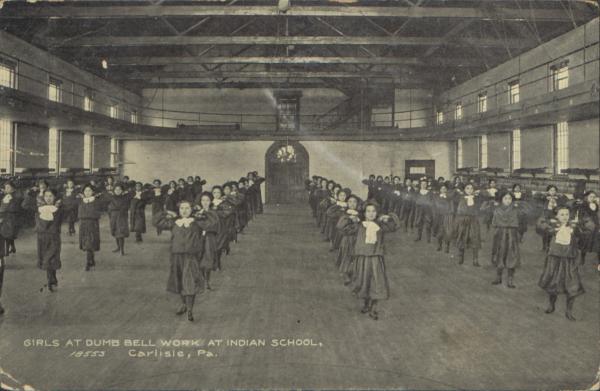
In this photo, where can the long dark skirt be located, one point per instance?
(561, 276)
(505, 248)
(344, 258)
(185, 277)
(443, 227)
(89, 235)
(138, 221)
(370, 279)
(467, 232)
(119, 224)
(48, 251)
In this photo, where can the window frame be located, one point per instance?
(458, 111)
(561, 147)
(555, 76)
(12, 67)
(514, 98)
(482, 102)
(58, 86)
(515, 149)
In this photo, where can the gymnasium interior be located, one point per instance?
(291, 89)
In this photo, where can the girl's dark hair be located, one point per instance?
(119, 185)
(550, 187)
(371, 203)
(45, 182)
(587, 193)
(157, 180)
(500, 195)
(358, 200)
(49, 190)
(515, 185)
(560, 207)
(184, 202)
(217, 187)
(172, 183)
(207, 194)
(228, 184)
(88, 185)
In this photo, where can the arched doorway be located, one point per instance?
(286, 169)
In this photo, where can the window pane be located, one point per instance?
(484, 151)
(53, 149)
(516, 149)
(87, 151)
(7, 75)
(562, 147)
(6, 146)
(459, 153)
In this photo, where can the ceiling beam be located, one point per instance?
(54, 11)
(199, 73)
(252, 84)
(104, 41)
(299, 60)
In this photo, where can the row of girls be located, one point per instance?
(451, 213)
(356, 232)
(203, 224)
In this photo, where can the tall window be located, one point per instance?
(559, 76)
(114, 111)
(53, 152)
(482, 102)
(8, 73)
(459, 153)
(288, 110)
(6, 146)
(483, 151)
(134, 117)
(513, 92)
(87, 151)
(458, 112)
(55, 90)
(561, 147)
(516, 149)
(88, 102)
(114, 152)
(439, 117)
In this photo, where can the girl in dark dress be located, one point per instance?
(551, 199)
(225, 212)
(172, 198)
(137, 210)
(423, 211)
(489, 195)
(345, 258)
(10, 207)
(332, 201)
(235, 201)
(561, 269)
(70, 204)
(520, 197)
(466, 224)
(244, 207)
(370, 277)
(48, 220)
(327, 199)
(443, 218)
(89, 228)
(334, 213)
(240, 209)
(589, 215)
(506, 240)
(158, 200)
(118, 213)
(185, 276)
(405, 200)
(209, 221)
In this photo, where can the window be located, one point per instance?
(559, 76)
(134, 117)
(440, 117)
(458, 112)
(516, 149)
(88, 103)
(561, 147)
(8, 71)
(53, 145)
(87, 151)
(483, 151)
(114, 152)
(54, 90)
(114, 111)
(459, 153)
(513, 92)
(6, 146)
(288, 110)
(482, 102)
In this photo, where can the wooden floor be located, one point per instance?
(444, 327)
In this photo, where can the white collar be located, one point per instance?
(217, 201)
(442, 195)
(372, 229)
(87, 200)
(184, 222)
(138, 195)
(6, 199)
(342, 204)
(423, 191)
(593, 206)
(352, 212)
(47, 212)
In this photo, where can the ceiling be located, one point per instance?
(244, 43)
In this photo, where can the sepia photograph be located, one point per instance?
(299, 194)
